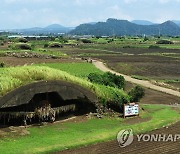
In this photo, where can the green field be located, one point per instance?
(77, 69)
(61, 136)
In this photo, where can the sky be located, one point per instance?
(41, 13)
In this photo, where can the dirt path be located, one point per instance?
(143, 83)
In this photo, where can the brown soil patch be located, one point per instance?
(14, 61)
(157, 67)
(13, 131)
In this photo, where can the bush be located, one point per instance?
(56, 39)
(95, 77)
(2, 64)
(107, 79)
(22, 40)
(46, 45)
(136, 94)
(32, 46)
(164, 42)
(146, 39)
(22, 46)
(86, 41)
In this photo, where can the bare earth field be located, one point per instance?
(158, 67)
(14, 61)
(152, 64)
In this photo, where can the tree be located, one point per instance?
(145, 39)
(136, 94)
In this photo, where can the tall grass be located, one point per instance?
(14, 77)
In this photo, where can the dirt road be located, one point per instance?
(143, 83)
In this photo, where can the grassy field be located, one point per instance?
(61, 136)
(77, 69)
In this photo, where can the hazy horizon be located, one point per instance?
(17, 14)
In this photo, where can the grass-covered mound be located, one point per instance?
(14, 77)
(21, 46)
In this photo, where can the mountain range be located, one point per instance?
(51, 29)
(124, 27)
(109, 28)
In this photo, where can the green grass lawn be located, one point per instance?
(77, 69)
(65, 135)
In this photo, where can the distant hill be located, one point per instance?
(54, 28)
(142, 22)
(176, 22)
(123, 27)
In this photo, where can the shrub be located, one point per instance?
(86, 41)
(56, 39)
(164, 42)
(46, 45)
(32, 46)
(136, 94)
(95, 77)
(22, 46)
(2, 64)
(107, 79)
(22, 40)
(145, 39)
